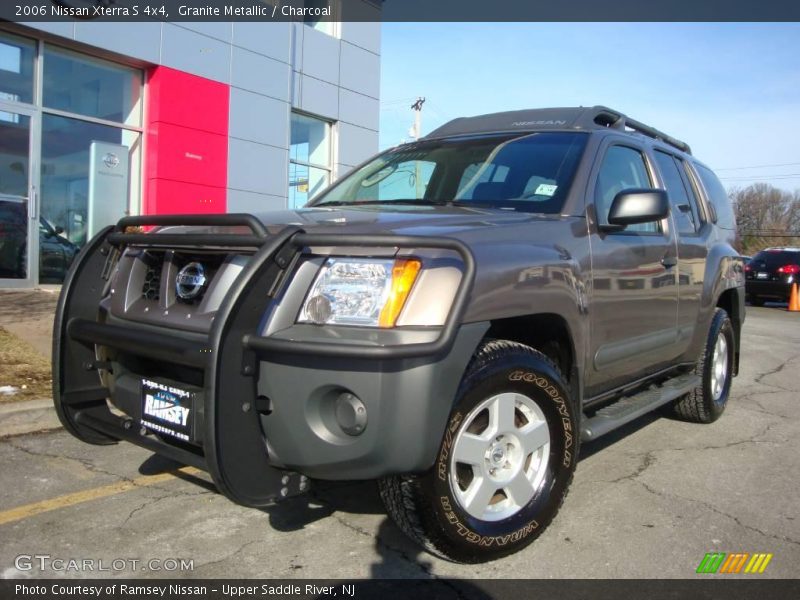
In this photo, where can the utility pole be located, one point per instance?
(415, 132)
(416, 129)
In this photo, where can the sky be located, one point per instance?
(730, 90)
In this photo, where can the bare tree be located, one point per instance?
(765, 216)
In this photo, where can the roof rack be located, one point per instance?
(542, 119)
(607, 117)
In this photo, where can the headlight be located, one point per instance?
(360, 291)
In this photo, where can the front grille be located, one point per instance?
(151, 288)
(163, 297)
(152, 284)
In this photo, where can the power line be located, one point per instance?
(398, 101)
(759, 167)
(751, 177)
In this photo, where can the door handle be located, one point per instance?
(32, 205)
(669, 262)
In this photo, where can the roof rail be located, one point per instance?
(579, 118)
(607, 117)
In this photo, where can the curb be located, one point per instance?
(29, 416)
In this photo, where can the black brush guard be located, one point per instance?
(234, 451)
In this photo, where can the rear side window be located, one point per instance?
(623, 168)
(717, 196)
(684, 207)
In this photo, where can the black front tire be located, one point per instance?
(426, 507)
(705, 403)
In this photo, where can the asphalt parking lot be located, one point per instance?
(648, 501)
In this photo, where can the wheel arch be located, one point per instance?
(550, 334)
(732, 302)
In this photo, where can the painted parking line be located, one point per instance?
(36, 508)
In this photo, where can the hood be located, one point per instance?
(401, 220)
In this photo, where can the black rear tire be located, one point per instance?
(428, 509)
(756, 300)
(706, 403)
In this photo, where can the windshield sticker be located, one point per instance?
(546, 189)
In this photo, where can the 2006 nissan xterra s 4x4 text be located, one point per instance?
(453, 319)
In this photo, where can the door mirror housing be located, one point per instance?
(634, 206)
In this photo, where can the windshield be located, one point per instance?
(531, 172)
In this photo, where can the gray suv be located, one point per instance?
(452, 319)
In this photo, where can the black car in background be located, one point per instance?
(56, 252)
(769, 275)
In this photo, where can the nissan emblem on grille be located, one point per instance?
(190, 281)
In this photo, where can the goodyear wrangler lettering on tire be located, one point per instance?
(554, 394)
(533, 378)
(447, 443)
(505, 461)
(485, 541)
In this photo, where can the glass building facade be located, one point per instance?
(100, 120)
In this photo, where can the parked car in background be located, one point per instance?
(769, 275)
(13, 232)
(56, 252)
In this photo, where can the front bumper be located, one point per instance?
(266, 405)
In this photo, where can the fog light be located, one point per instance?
(351, 414)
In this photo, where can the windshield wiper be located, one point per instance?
(405, 201)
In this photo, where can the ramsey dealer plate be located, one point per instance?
(167, 409)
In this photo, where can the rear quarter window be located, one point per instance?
(717, 196)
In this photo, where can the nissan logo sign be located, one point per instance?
(190, 281)
(111, 160)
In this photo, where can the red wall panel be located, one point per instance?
(187, 100)
(184, 154)
(169, 197)
(186, 160)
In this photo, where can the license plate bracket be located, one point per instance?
(167, 409)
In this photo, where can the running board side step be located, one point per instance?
(629, 408)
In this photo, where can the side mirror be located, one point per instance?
(59, 230)
(634, 206)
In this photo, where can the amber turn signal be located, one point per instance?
(404, 274)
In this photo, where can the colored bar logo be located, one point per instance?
(733, 563)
